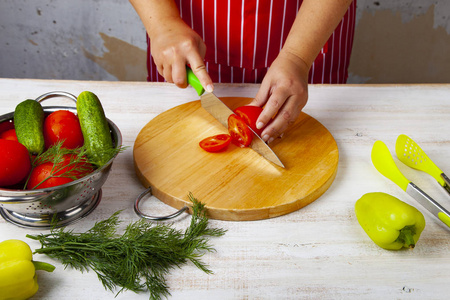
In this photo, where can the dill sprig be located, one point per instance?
(137, 260)
(55, 153)
(79, 162)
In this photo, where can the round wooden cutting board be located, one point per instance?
(237, 184)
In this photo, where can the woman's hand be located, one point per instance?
(284, 90)
(175, 45)
(283, 93)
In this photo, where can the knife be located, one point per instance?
(384, 163)
(220, 111)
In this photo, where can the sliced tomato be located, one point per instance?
(215, 143)
(240, 134)
(9, 135)
(250, 114)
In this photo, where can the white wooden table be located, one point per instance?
(318, 252)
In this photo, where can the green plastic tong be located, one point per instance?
(408, 152)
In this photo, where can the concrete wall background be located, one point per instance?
(401, 41)
(66, 39)
(396, 41)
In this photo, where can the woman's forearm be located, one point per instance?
(156, 13)
(315, 22)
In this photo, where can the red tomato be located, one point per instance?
(9, 135)
(241, 135)
(6, 125)
(63, 125)
(46, 175)
(15, 163)
(250, 114)
(215, 143)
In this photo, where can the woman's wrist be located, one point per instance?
(301, 64)
(158, 26)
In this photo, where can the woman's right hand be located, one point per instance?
(175, 45)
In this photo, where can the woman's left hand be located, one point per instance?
(283, 93)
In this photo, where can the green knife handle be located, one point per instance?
(384, 163)
(194, 82)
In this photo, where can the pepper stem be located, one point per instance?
(39, 265)
(406, 236)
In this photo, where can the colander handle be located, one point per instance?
(153, 218)
(56, 94)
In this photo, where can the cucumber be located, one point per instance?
(29, 123)
(94, 126)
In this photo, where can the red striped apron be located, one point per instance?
(243, 37)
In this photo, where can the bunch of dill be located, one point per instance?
(137, 260)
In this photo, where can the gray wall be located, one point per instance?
(71, 39)
(397, 41)
(402, 41)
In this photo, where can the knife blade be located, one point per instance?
(220, 111)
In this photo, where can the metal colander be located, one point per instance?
(64, 204)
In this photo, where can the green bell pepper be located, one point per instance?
(391, 223)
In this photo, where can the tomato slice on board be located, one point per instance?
(241, 135)
(250, 114)
(215, 143)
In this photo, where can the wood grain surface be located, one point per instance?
(237, 184)
(317, 252)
